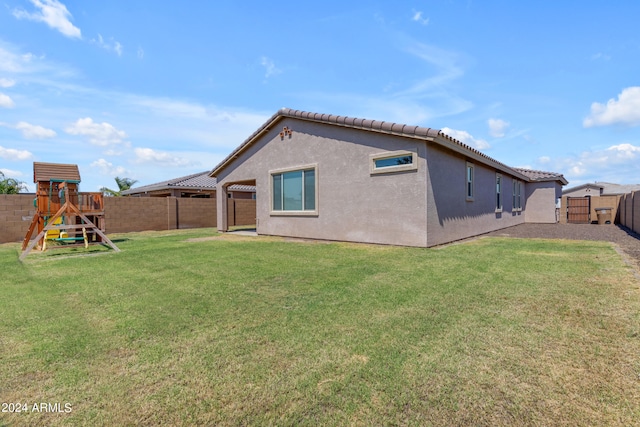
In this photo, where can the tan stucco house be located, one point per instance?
(341, 178)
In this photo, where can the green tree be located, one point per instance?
(123, 184)
(10, 185)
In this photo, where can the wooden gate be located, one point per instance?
(579, 210)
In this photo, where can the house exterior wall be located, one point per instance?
(541, 202)
(353, 204)
(423, 207)
(450, 216)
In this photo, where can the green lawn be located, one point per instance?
(231, 330)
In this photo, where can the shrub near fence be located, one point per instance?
(129, 214)
(629, 211)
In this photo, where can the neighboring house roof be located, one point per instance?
(196, 181)
(606, 188)
(55, 172)
(542, 176)
(416, 132)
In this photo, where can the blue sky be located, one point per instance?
(157, 90)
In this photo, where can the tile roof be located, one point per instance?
(416, 132)
(196, 181)
(55, 171)
(535, 175)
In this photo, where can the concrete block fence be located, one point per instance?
(130, 214)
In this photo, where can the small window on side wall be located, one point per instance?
(393, 161)
(470, 178)
(517, 195)
(498, 192)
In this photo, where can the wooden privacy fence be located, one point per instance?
(130, 214)
(579, 210)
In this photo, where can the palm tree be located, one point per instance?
(10, 185)
(123, 184)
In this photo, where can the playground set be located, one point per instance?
(64, 216)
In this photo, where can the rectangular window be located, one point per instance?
(520, 195)
(517, 195)
(277, 192)
(294, 191)
(469, 181)
(498, 192)
(393, 161)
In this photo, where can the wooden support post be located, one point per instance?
(67, 208)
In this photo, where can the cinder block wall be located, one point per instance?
(629, 211)
(241, 212)
(129, 214)
(16, 213)
(196, 213)
(605, 202)
(126, 214)
(636, 212)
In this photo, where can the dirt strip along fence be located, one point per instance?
(629, 211)
(130, 214)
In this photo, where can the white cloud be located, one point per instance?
(107, 168)
(270, 67)
(617, 163)
(466, 138)
(600, 56)
(10, 173)
(30, 131)
(417, 17)
(6, 82)
(140, 53)
(447, 66)
(626, 110)
(13, 154)
(100, 134)
(111, 45)
(625, 151)
(6, 101)
(148, 155)
(544, 159)
(54, 14)
(497, 127)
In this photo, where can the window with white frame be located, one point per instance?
(498, 192)
(393, 161)
(470, 189)
(517, 195)
(294, 191)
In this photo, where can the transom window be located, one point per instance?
(294, 191)
(393, 161)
